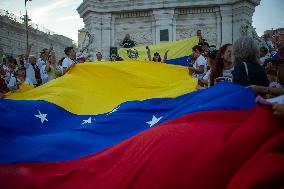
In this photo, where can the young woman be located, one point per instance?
(53, 69)
(199, 67)
(223, 66)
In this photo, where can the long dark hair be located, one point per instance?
(218, 66)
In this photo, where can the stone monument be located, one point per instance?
(157, 21)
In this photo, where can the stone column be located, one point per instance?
(219, 29)
(106, 34)
(112, 31)
(227, 24)
(92, 26)
(164, 19)
(99, 25)
(242, 18)
(175, 27)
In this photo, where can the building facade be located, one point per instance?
(156, 21)
(276, 35)
(13, 37)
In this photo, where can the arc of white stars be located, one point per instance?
(154, 121)
(41, 116)
(114, 110)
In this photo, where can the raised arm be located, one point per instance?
(148, 53)
(50, 49)
(166, 56)
(28, 51)
(47, 67)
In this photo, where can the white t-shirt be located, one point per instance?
(275, 85)
(43, 74)
(13, 82)
(200, 61)
(228, 74)
(207, 76)
(67, 62)
(8, 73)
(40, 63)
(30, 73)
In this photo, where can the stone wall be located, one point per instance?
(13, 39)
(138, 25)
(188, 21)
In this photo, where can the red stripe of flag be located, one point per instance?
(215, 149)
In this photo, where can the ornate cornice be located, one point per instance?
(112, 6)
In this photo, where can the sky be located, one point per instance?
(62, 17)
(59, 16)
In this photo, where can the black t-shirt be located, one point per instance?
(256, 75)
(128, 43)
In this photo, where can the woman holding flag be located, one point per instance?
(157, 57)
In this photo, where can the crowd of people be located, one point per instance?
(245, 62)
(27, 69)
(242, 63)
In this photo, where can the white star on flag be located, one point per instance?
(114, 110)
(41, 116)
(154, 121)
(89, 121)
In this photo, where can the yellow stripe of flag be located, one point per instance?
(176, 49)
(94, 88)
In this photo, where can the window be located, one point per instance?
(164, 35)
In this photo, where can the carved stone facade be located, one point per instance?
(139, 25)
(145, 20)
(188, 20)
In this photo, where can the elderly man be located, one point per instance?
(127, 42)
(32, 70)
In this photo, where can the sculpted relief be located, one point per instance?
(209, 33)
(140, 37)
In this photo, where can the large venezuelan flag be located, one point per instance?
(138, 125)
(179, 51)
